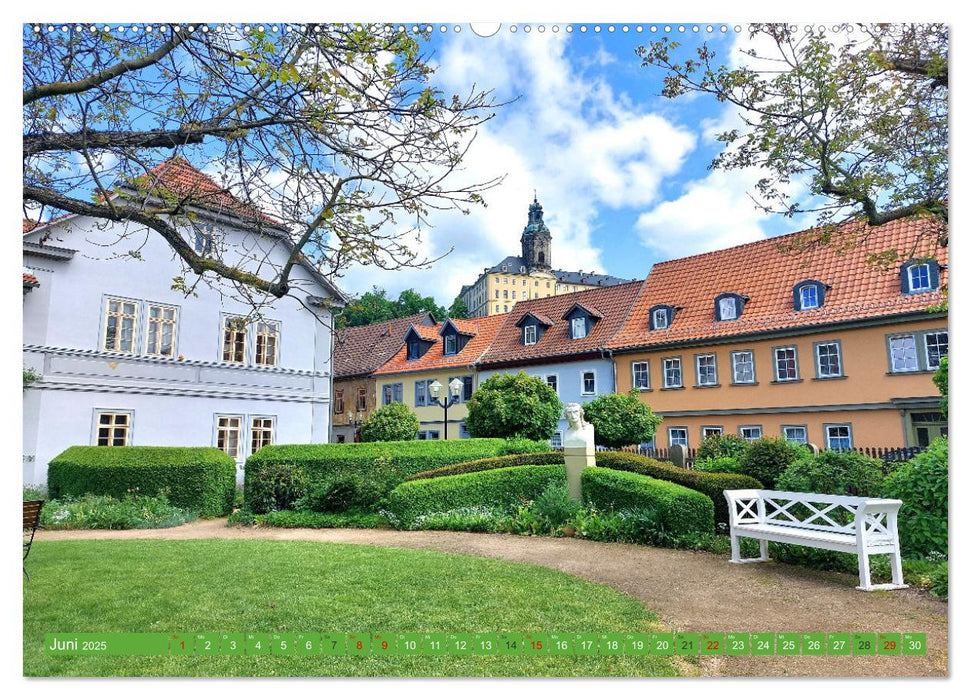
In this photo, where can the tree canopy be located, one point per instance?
(513, 406)
(375, 306)
(860, 114)
(621, 419)
(335, 131)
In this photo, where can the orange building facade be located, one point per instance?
(815, 347)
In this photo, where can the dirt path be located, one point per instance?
(691, 591)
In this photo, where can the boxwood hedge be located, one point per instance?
(711, 484)
(679, 509)
(503, 487)
(482, 465)
(200, 479)
(384, 464)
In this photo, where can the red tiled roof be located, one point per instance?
(765, 273)
(613, 303)
(181, 178)
(429, 333)
(485, 331)
(30, 280)
(464, 325)
(362, 349)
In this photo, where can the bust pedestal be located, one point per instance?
(577, 459)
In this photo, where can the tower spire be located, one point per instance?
(536, 238)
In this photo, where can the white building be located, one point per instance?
(124, 359)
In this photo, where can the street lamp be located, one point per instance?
(454, 389)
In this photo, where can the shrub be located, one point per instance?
(836, 473)
(679, 509)
(717, 465)
(390, 423)
(767, 458)
(383, 465)
(200, 479)
(712, 485)
(940, 380)
(279, 487)
(91, 512)
(715, 446)
(309, 519)
(497, 487)
(339, 492)
(521, 446)
(35, 492)
(513, 406)
(555, 506)
(922, 485)
(482, 465)
(621, 419)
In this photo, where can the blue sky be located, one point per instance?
(622, 173)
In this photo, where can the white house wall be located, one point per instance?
(174, 401)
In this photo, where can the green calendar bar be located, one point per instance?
(364, 644)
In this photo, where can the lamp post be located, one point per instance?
(355, 424)
(454, 389)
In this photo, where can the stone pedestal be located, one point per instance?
(577, 459)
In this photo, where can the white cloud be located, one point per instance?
(569, 136)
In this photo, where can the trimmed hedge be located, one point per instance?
(482, 465)
(200, 479)
(383, 464)
(679, 509)
(711, 484)
(502, 488)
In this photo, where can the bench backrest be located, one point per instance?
(32, 514)
(810, 511)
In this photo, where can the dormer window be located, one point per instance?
(578, 327)
(529, 335)
(918, 276)
(808, 295)
(414, 350)
(450, 344)
(729, 306)
(661, 317)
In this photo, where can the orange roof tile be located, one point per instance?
(464, 325)
(362, 349)
(30, 280)
(767, 274)
(181, 178)
(612, 303)
(485, 329)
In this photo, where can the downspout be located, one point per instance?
(613, 367)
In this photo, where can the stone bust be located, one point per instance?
(579, 433)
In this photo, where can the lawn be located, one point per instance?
(259, 586)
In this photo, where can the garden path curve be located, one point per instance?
(691, 591)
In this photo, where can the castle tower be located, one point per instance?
(536, 240)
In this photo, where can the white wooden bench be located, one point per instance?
(841, 523)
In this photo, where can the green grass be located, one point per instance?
(258, 586)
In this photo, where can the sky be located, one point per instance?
(622, 173)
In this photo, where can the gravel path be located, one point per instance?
(691, 591)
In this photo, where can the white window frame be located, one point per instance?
(714, 367)
(894, 367)
(661, 314)
(927, 352)
(445, 344)
(254, 430)
(722, 307)
(839, 359)
(910, 278)
(258, 334)
(120, 315)
(829, 439)
(162, 322)
(803, 306)
(803, 428)
(671, 430)
(647, 374)
(743, 428)
(338, 402)
(795, 362)
(736, 355)
(526, 334)
(583, 382)
(111, 427)
(680, 368)
(240, 438)
(578, 331)
(708, 431)
(226, 319)
(556, 382)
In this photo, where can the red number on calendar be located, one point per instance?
(713, 645)
(889, 645)
(360, 645)
(384, 646)
(538, 645)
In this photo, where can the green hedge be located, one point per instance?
(200, 479)
(383, 464)
(503, 488)
(482, 465)
(679, 509)
(711, 484)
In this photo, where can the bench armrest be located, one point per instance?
(744, 506)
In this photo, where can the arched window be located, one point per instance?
(919, 276)
(809, 295)
(729, 306)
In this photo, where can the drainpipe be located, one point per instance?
(613, 367)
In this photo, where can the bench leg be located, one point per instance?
(896, 570)
(864, 560)
(764, 549)
(737, 552)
